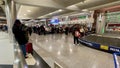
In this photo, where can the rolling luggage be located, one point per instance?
(29, 48)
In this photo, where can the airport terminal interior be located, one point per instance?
(59, 33)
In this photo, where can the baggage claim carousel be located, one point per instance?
(102, 42)
(106, 43)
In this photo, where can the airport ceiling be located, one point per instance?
(2, 13)
(48, 8)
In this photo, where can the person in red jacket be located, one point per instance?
(76, 35)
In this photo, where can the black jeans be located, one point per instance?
(76, 40)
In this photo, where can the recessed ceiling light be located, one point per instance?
(28, 10)
(72, 7)
(50, 13)
(81, 2)
(85, 10)
(24, 14)
(60, 10)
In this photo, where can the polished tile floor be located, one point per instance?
(59, 48)
(6, 50)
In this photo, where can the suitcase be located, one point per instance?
(29, 48)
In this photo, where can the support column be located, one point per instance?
(103, 24)
(100, 23)
(10, 10)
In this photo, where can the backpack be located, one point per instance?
(77, 34)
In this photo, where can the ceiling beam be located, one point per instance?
(105, 5)
(40, 3)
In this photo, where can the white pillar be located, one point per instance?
(100, 24)
(103, 24)
(10, 10)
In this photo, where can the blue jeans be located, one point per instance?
(23, 48)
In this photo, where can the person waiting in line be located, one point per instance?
(43, 29)
(30, 30)
(52, 30)
(66, 30)
(76, 35)
(20, 34)
(34, 29)
(39, 31)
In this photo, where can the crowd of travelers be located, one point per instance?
(77, 30)
(43, 30)
(22, 32)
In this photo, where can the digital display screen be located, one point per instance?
(54, 21)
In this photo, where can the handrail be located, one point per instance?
(19, 60)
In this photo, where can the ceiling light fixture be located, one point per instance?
(60, 10)
(72, 7)
(24, 14)
(28, 10)
(85, 10)
(50, 13)
(82, 2)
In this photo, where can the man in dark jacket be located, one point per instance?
(20, 35)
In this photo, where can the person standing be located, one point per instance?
(20, 34)
(76, 35)
(30, 30)
(43, 29)
(66, 30)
